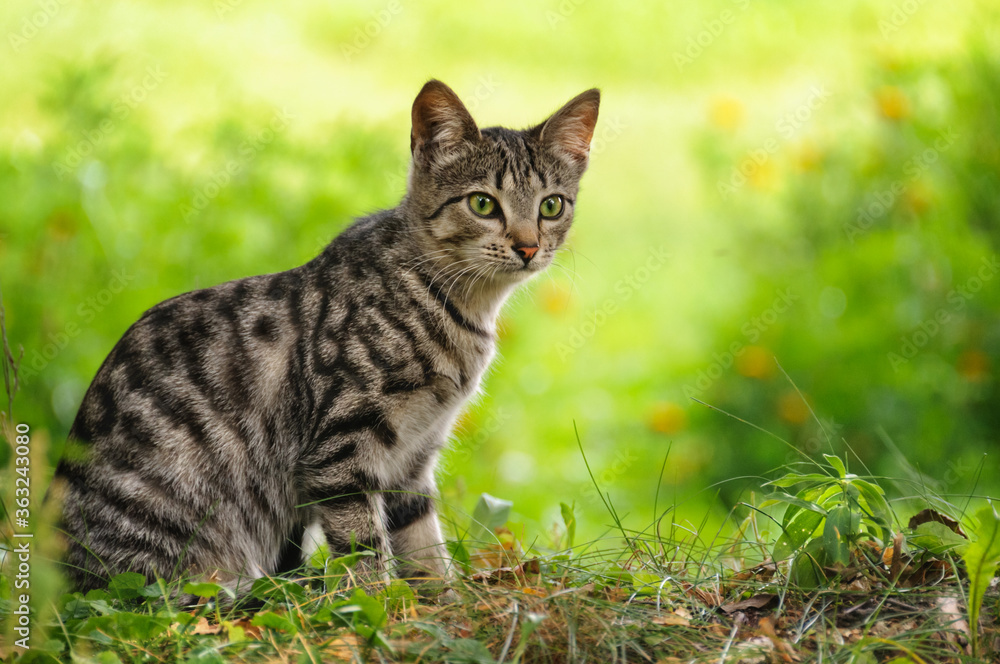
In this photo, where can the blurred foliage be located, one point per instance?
(816, 184)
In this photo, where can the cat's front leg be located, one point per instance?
(357, 522)
(415, 531)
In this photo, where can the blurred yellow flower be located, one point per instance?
(892, 102)
(974, 366)
(755, 362)
(917, 197)
(554, 297)
(792, 408)
(61, 225)
(765, 176)
(808, 157)
(667, 417)
(726, 112)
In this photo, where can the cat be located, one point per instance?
(227, 421)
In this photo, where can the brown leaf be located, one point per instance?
(671, 618)
(861, 585)
(204, 627)
(249, 629)
(344, 647)
(782, 647)
(755, 602)
(930, 572)
(928, 515)
(897, 559)
(537, 592)
(508, 574)
(706, 597)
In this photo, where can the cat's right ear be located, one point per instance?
(441, 125)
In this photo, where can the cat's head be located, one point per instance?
(495, 203)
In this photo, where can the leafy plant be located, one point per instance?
(490, 513)
(981, 557)
(831, 513)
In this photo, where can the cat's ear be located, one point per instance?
(568, 132)
(441, 125)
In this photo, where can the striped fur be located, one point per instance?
(228, 421)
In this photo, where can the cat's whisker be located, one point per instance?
(454, 280)
(569, 273)
(420, 260)
(572, 271)
(480, 273)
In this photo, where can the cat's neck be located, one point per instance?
(477, 294)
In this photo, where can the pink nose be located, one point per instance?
(526, 252)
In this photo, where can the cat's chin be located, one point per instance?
(515, 274)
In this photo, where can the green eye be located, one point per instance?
(482, 204)
(551, 207)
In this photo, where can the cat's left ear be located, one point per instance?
(569, 131)
(441, 125)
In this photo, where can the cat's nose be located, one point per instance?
(526, 252)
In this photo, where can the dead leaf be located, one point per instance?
(860, 585)
(508, 574)
(885, 629)
(537, 592)
(706, 597)
(784, 649)
(755, 602)
(753, 651)
(671, 619)
(204, 627)
(928, 515)
(718, 630)
(344, 647)
(897, 559)
(929, 573)
(954, 620)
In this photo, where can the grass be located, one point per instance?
(667, 593)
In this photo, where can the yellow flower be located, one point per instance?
(892, 103)
(974, 366)
(726, 112)
(755, 362)
(667, 417)
(791, 408)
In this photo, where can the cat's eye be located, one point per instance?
(483, 205)
(551, 207)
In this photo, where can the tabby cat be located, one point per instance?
(227, 421)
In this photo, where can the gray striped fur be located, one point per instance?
(228, 420)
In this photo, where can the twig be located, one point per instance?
(510, 635)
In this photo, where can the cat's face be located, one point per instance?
(496, 204)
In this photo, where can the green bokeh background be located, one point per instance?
(817, 179)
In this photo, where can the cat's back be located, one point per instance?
(213, 374)
(214, 349)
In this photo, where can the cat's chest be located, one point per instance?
(449, 384)
(422, 419)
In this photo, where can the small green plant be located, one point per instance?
(826, 518)
(982, 556)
